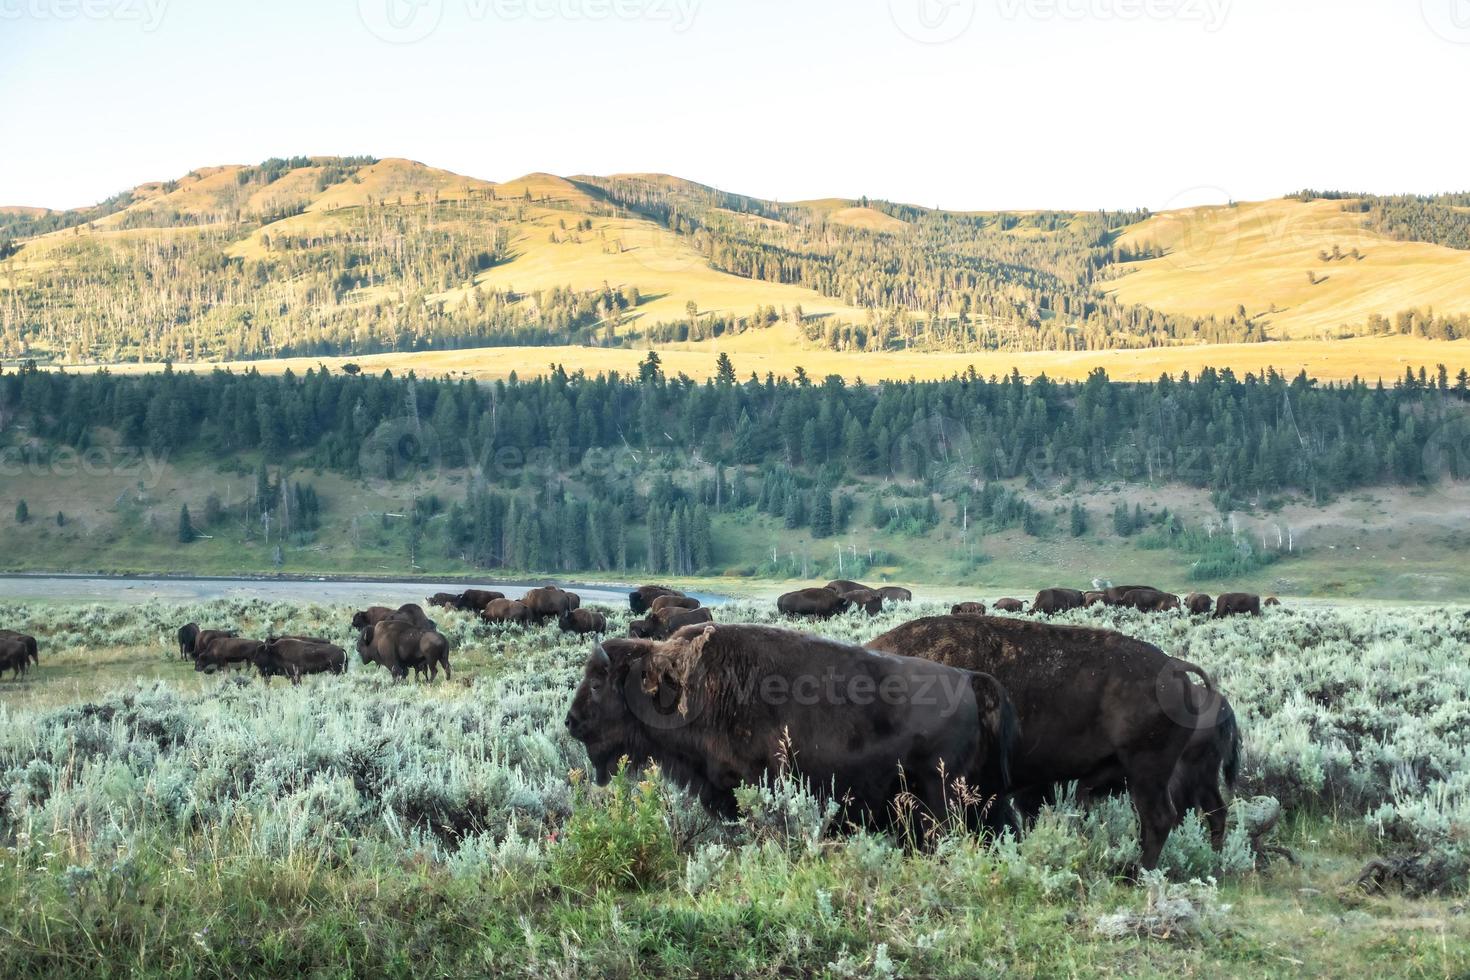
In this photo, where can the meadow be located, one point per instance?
(158, 820)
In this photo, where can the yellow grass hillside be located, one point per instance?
(1259, 255)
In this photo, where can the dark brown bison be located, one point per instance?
(506, 611)
(414, 615)
(411, 613)
(1049, 602)
(188, 636)
(1237, 604)
(893, 593)
(1094, 706)
(662, 625)
(718, 706)
(1272, 602)
(843, 586)
(1010, 605)
(1117, 595)
(1090, 599)
(1152, 601)
(640, 600)
(203, 638)
(968, 609)
(294, 657)
(475, 600)
(227, 651)
(33, 649)
(812, 604)
(400, 647)
(14, 656)
(673, 602)
(1198, 604)
(371, 616)
(550, 603)
(445, 600)
(583, 622)
(867, 600)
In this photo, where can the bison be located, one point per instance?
(892, 593)
(446, 600)
(401, 647)
(506, 611)
(1117, 595)
(14, 656)
(1010, 605)
(867, 600)
(1090, 599)
(550, 603)
(202, 638)
(842, 586)
(1094, 705)
(1237, 604)
(968, 609)
(226, 651)
(1151, 600)
(662, 625)
(296, 656)
(812, 604)
(475, 600)
(188, 636)
(33, 650)
(583, 622)
(1199, 604)
(1272, 602)
(411, 613)
(1049, 602)
(673, 602)
(640, 600)
(718, 706)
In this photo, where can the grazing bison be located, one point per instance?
(33, 650)
(843, 586)
(446, 600)
(412, 614)
(294, 657)
(14, 656)
(640, 600)
(719, 706)
(662, 625)
(475, 600)
(892, 593)
(583, 622)
(415, 616)
(1049, 602)
(1117, 595)
(188, 636)
(506, 611)
(673, 602)
(1237, 604)
(1198, 604)
(1272, 602)
(968, 609)
(227, 651)
(867, 600)
(812, 603)
(1150, 600)
(1010, 605)
(1090, 599)
(550, 603)
(202, 639)
(401, 647)
(371, 616)
(1094, 706)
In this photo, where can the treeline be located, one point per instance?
(1438, 219)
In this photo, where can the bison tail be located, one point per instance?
(1190, 668)
(1002, 730)
(1230, 746)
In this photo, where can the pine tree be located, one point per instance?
(823, 523)
(22, 513)
(1079, 520)
(186, 526)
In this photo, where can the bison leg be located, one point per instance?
(1148, 786)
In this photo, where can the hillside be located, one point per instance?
(355, 256)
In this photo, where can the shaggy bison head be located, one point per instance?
(613, 708)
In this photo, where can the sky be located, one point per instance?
(961, 104)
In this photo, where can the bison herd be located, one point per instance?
(1144, 598)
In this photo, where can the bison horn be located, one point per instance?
(600, 657)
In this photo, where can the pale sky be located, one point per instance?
(963, 104)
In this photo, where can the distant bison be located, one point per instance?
(674, 602)
(583, 622)
(968, 609)
(475, 600)
(188, 636)
(687, 705)
(842, 586)
(867, 600)
(506, 611)
(1093, 705)
(1117, 595)
(445, 600)
(14, 656)
(550, 602)
(1237, 604)
(1090, 599)
(1198, 604)
(1272, 602)
(1049, 602)
(294, 657)
(662, 625)
(812, 604)
(412, 614)
(893, 593)
(1151, 600)
(640, 600)
(227, 651)
(1010, 605)
(401, 647)
(33, 650)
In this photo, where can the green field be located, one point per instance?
(157, 821)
